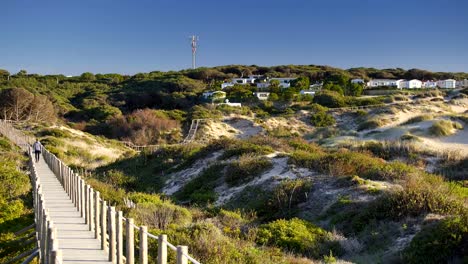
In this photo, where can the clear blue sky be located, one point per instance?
(123, 36)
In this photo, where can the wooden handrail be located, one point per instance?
(101, 218)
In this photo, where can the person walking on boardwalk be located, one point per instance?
(37, 149)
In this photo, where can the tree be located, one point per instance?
(354, 89)
(87, 77)
(329, 99)
(301, 83)
(4, 73)
(20, 104)
(22, 73)
(334, 87)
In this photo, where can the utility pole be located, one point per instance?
(194, 49)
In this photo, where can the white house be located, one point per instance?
(447, 84)
(214, 94)
(429, 84)
(262, 95)
(462, 83)
(309, 92)
(316, 86)
(384, 82)
(411, 84)
(226, 84)
(283, 82)
(230, 104)
(357, 81)
(263, 85)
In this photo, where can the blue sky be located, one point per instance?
(123, 36)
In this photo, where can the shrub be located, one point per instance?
(444, 127)
(440, 242)
(161, 215)
(294, 235)
(419, 118)
(200, 189)
(370, 124)
(329, 99)
(239, 147)
(322, 119)
(144, 127)
(288, 194)
(246, 168)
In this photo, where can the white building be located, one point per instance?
(384, 82)
(447, 84)
(263, 85)
(411, 84)
(230, 104)
(262, 95)
(309, 92)
(227, 84)
(283, 82)
(357, 81)
(462, 83)
(429, 84)
(214, 94)
(242, 81)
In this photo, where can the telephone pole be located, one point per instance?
(194, 49)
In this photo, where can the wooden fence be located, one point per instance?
(104, 220)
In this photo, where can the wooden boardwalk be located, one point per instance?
(74, 225)
(76, 242)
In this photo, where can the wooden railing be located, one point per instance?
(46, 233)
(101, 218)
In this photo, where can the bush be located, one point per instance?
(288, 194)
(161, 215)
(370, 124)
(295, 235)
(246, 168)
(442, 242)
(417, 119)
(322, 119)
(55, 132)
(329, 99)
(444, 127)
(201, 189)
(239, 147)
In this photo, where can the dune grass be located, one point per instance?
(444, 128)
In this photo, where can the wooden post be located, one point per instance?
(112, 235)
(82, 198)
(53, 242)
(130, 239)
(104, 226)
(162, 249)
(119, 237)
(86, 207)
(91, 209)
(181, 258)
(96, 215)
(143, 245)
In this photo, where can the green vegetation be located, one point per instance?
(322, 119)
(439, 242)
(246, 168)
(419, 118)
(444, 128)
(295, 235)
(15, 202)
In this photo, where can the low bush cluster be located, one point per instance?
(322, 119)
(246, 168)
(444, 127)
(298, 236)
(442, 242)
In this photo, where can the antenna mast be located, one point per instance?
(194, 49)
